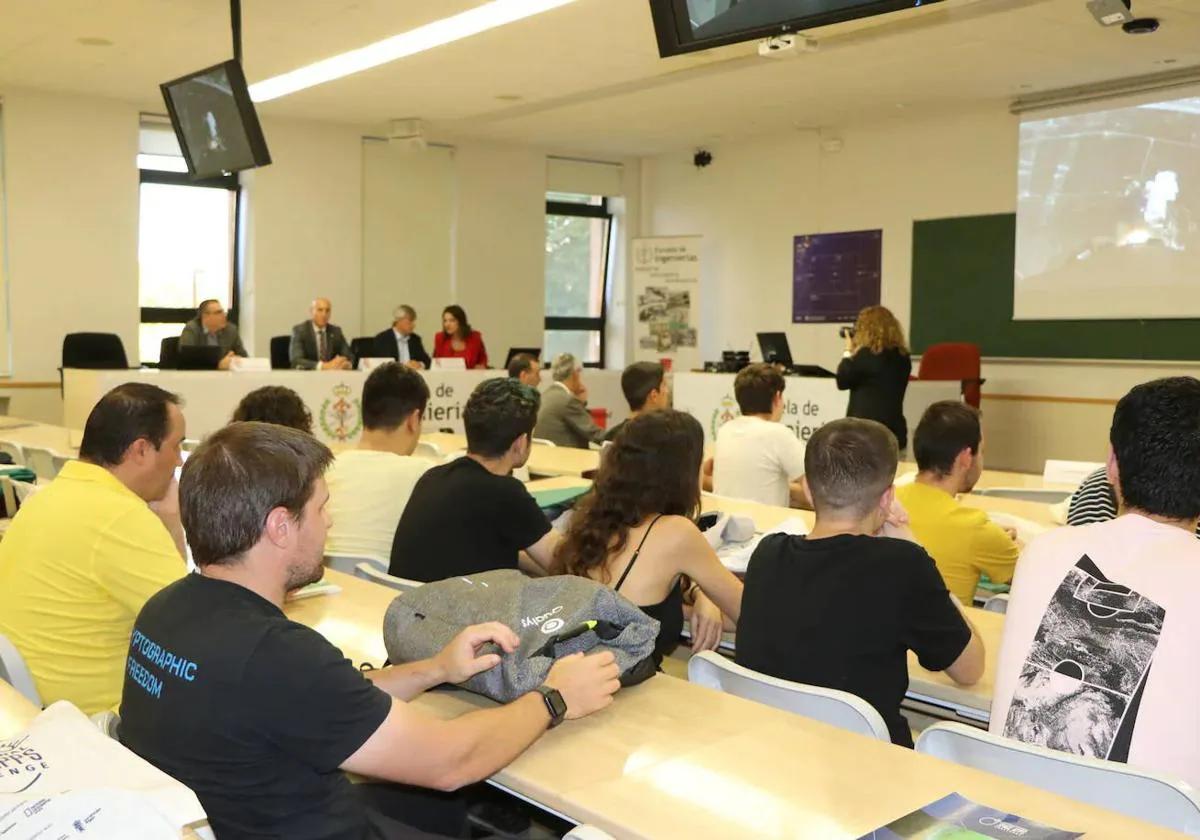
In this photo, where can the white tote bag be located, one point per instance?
(63, 777)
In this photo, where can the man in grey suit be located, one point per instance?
(563, 418)
(211, 328)
(318, 344)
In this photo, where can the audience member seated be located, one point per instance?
(370, 484)
(564, 419)
(399, 342)
(319, 345)
(274, 404)
(646, 389)
(797, 623)
(471, 515)
(211, 328)
(526, 370)
(83, 555)
(1093, 501)
(965, 543)
(458, 340)
(1093, 608)
(258, 714)
(636, 532)
(756, 457)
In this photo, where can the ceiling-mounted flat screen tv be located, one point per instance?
(684, 26)
(215, 121)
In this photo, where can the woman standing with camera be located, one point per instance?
(875, 370)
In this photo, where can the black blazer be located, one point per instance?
(302, 350)
(877, 383)
(385, 346)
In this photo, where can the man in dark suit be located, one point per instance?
(563, 418)
(211, 328)
(318, 344)
(399, 342)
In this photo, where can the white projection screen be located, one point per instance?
(1108, 210)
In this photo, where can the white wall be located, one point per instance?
(760, 193)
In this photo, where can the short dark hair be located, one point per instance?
(391, 393)
(127, 413)
(274, 404)
(498, 412)
(849, 464)
(755, 388)
(946, 429)
(204, 305)
(1155, 437)
(519, 364)
(638, 380)
(236, 477)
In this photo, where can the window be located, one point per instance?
(578, 233)
(187, 241)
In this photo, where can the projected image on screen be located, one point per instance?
(714, 18)
(1108, 214)
(211, 123)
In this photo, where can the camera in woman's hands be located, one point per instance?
(846, 332)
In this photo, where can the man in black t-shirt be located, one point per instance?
(471, 515)
(842, 607)
(259, 715)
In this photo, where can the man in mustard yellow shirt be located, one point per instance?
(964, 542)
(83, 555)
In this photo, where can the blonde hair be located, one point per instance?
(877, 329)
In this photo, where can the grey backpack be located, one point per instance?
(554, 617)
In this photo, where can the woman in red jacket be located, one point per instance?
(458, 341)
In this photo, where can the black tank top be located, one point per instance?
(667, 612)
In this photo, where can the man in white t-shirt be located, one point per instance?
(1101, 648)
(369, 486)
(756, 457)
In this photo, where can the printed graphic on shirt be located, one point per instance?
(1081, 685)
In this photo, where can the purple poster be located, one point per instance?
(834, 275)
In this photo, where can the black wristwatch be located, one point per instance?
(555, 704)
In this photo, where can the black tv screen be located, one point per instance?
(689, 25)
(215, 121)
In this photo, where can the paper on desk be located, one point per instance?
(1026, 530)
(736, 556)
(57, 780)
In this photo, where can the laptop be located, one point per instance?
(536, 352)
(775, 350)
(199, 358)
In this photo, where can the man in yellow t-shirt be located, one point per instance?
(83, 555)
(964, 542)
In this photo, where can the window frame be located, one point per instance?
(586, 324)
(179, 315)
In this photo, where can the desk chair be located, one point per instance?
(1143, 794)
(94, 351)
(14, 451)
(369, 571)
(997, 603)
(280, 360)
(15, 672)
(347, 564)
(954, 361)
(42, 462)
(837, 708)
(168, 353)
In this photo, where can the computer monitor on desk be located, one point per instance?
(775, 350)
(203, 357)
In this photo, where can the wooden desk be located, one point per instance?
(1033, 511)
(58, 439)
(670, 759)
(1000, 478)
(765, 517)
(543, 460)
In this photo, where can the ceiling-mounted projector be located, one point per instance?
(1110, 12)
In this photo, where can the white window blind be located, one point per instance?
(587, 177)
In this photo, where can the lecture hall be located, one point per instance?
(599, 419)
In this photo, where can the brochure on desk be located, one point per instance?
(956, 818)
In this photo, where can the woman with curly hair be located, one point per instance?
(875, 370)
(274, 404)
(636, 532)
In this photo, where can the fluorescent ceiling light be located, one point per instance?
(447, 30)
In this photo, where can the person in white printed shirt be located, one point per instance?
(1101, 645)
(756, 457)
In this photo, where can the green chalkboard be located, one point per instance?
(962, 290)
